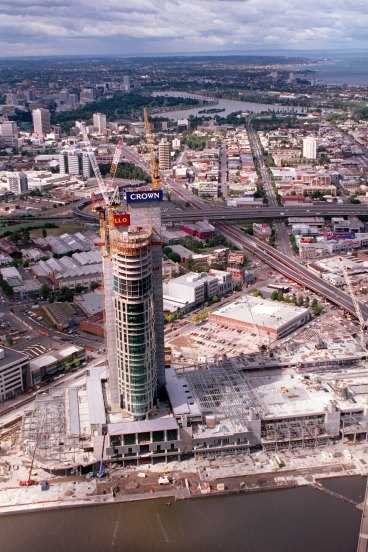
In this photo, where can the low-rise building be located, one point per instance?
(272, 318)
(50, 364)
(14, 373)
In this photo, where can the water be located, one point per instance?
(293, 520)
(229, 106)
(348, 68)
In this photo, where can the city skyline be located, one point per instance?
(58, 27)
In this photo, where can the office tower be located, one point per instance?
(99, 122)
(9, 134)
(126, 83)
(87, 95)
(176, 143)
(17, 183)
(75, 162)
(87, 170)
(11, 98)
(310, 147)
(164, 154)
(134, 311)
(41, 121)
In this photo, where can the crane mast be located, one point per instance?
(154, 163)
(362, 322)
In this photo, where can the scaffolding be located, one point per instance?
(223, 390)
(307, 432)
(46, 430)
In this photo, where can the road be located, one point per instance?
(291, 268)
(282, 236)
(223, 173)
(235, 214)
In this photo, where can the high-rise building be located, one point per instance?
(176, 143)
(41, 121)
(11, 98)
(99, 122)
(9, 134)
(310, 147)
(87, 95)
(126, 83)
(17, 183)
(164, 154)
(134, 311)
(75, 162)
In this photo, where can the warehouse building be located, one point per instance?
(271, 318)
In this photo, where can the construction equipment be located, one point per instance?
(154, 163)
(101, 470)
(362, 322)
(29, 482)
(116, 158)
(109, 209)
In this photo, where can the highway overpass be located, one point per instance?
(291, 268)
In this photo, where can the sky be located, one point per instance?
(134, 27)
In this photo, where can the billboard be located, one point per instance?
(144, 196)
(121, 218)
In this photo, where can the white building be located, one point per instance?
(126, 83)
(9, 134)
(17, 183)
(164, 154)
(176, 143)
(41, 121)
(310, 147)
(75, 162)
(99, 122)
(193, 289)
(87, 95)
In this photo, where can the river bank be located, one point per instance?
(121, 486)
(244, 522)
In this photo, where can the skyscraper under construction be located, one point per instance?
(132, 257)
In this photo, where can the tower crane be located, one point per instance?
(116, 158)
(154, 163)
(362, 322)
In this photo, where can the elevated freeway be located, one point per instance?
(291, 268)
(214, 213)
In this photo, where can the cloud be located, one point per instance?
(163, 26)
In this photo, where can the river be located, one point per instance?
(293, 520)
(229, 106)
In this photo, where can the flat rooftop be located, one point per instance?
(261, 312)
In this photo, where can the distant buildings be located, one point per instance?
(8, 134)
(99, 122)
(41, 122)
(87, 95)
(310, 147)
(17, 183)
(76, 162)
(126, 83)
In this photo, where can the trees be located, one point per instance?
(316, 307)
(126, 170)
(7, 289)
(257, 293)
(9, 340)
(274, 295)
(170, 254)
(45, 291)
(196, 142)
